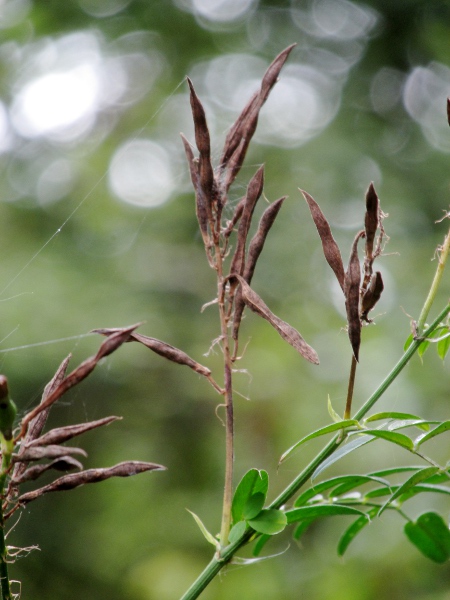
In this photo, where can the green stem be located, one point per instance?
(351, 385)
(443, 255)
(217, 563)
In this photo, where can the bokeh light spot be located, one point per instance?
(140, 174)
(425, 98)
(55, 101)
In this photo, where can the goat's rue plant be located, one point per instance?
(246, 515)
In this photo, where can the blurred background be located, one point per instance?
(98, 229)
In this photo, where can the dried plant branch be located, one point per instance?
(286, 331)
(75, 377)
(166, 351)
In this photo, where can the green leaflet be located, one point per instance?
(392, 415)
(254, 505)
(391, 436)
(340, 485)
(410, 483)
(352, 531)
(208, 536)
(345, 424)
(443, 346)
(260, 543)
(342, 451)
(253, 482)
(442, 428)
(269, 521)
(431, 536)
(321, 510)
(236, 531)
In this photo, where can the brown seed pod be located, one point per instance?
(351, 290)
(330, 248)
(371, 220)
(372, 295)
(111, 344)
(241, 133)
(202, 140)
(40, 452)
(254, 251)
(286, 331)
(63, 463)
(73, 480)
(166, 350)
(254, 191)
(448, 110)
(60, 435)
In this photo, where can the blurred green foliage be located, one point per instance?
(87, 242)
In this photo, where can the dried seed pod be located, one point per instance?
(372, 295)
(371, 220)
(200, 201)
(241, 133)
(202, 139)
(448, 110)
(286, 331)
(37, 424)
(64, 463)
(63, 434)
(254, 191)
(40, 452)
(166, 350)
(68, 482)
(330, 248)
(111, 344)
(254, 251)
(351, 290)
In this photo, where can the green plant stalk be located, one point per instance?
(7, 449)
(217, 563)
(443, 255)
(351, 385)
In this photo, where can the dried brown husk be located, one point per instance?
(48, 452)
(241, 133)
(200, 200)
(371, 220)
(329, 245)
(254, 251)
(60, 435)
(254, 191)
(73, 480)
(286, 331)
(351, 290)
(163, 349)
(202, 139)
(372, 295)
(63, 463)
(37, 424)
(79, 374)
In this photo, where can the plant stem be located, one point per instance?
(228, 385)
(443, 253)
(217, 563)
(351, 385)
(7, 448)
